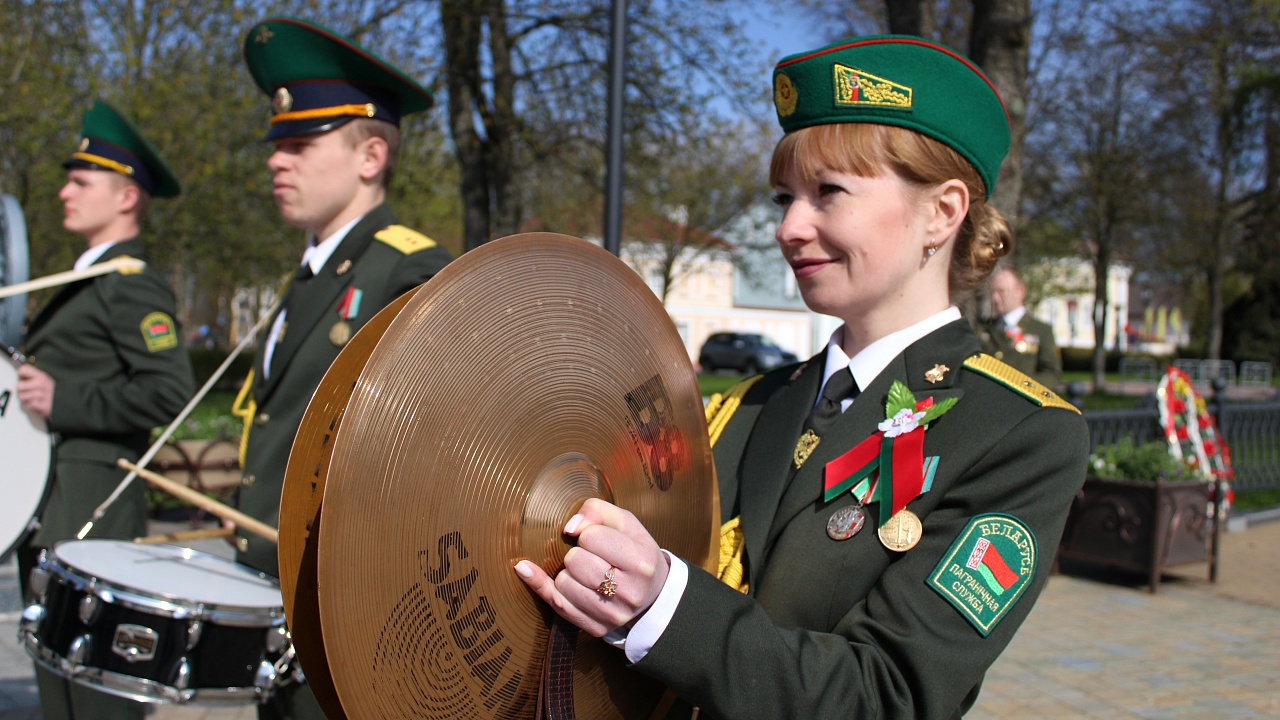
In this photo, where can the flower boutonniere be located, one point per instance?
(895, 453)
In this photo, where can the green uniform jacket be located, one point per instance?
(119, 370)
(1038, 355)
(850, 629)
(381, 271)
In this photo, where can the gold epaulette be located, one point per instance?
(722, 407)
(988, 366)
(130, 269)
(406, 240)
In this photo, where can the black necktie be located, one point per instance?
(839, 386)
(291, 295)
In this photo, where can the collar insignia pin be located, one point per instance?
(937, 373)
(343, 267)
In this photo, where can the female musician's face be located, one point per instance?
(314, 179)
(91, 200)
(854, 243)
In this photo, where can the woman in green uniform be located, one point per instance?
(899, 495)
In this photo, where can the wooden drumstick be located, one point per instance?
(70, 276)
(182, 492)
(182, 536)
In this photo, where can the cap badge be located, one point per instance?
(264, 34)
(84, 144)
(282, 102)
(855, 87)
(785, 95)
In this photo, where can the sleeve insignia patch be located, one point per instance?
(986, 569)
(159, 332)
(404, 239)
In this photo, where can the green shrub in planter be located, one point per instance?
(1127, 460)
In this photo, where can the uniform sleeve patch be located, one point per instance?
(406, 240)
(986, 569)
(159, 332)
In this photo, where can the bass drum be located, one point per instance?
(157, 624)
(14, 269)
(28, 450)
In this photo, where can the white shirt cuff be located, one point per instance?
(644, 632)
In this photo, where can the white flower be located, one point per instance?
(904, 422)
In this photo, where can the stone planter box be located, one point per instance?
(1142, 526)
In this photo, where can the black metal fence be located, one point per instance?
(1252, 431)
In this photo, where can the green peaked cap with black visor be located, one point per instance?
(318, 79)
(898, 80)
(110, 141)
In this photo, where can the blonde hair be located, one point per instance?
(361, 129)
(868, 149)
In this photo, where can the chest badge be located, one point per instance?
(805, 446)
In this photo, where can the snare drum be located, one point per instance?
(157, 623)
(28, 453)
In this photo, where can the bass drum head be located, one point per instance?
(24, 441)
(14, 269)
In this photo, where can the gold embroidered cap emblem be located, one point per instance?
(937, 373)
(282, 101)
(805, 446)
(264, 34)
(854, 87)
(785, 95)
(84, 144)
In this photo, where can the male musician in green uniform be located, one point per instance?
(1011, 334)
(106, 364)
(336, 109)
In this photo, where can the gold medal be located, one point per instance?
(805, 446)
(340, 333)
(902, 532)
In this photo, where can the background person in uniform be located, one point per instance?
(106, 364)
(336, 109)
(896, 537)
(1011, 334)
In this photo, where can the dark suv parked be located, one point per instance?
(745, 352)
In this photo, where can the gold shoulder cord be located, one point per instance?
(245, 408)
(719, 410)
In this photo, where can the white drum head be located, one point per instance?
(24, 442)
(167, 572)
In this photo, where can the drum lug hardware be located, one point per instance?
(135, 643)
(32, 616)
(39, 578)
(266, 677)
(277, 638)
(78, 652)
(182, 675)
(194, 628)
(90, 606)
(285, 670)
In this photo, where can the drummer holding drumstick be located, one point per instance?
(900, 495)
(106, 364)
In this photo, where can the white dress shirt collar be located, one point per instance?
(90, 256)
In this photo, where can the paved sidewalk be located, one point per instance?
(1092, 648)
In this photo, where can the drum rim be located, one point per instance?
(167, 604)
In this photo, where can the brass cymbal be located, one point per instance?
(301, 502)
(529, 375)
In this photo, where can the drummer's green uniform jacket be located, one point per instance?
(380, 260)
(1038, 356)
(848, 628)
(120, 369)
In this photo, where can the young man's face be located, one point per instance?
(92, 200)
(315, 178)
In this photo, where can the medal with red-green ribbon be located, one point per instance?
(895, 455)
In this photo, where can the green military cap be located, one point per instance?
(318, 79)
(110, 141)
(897, 80)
